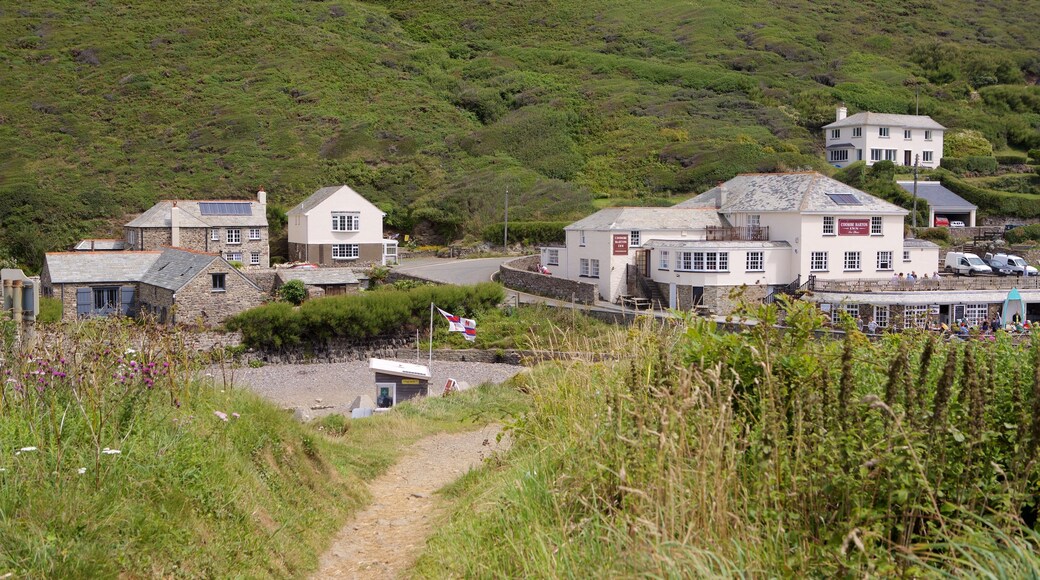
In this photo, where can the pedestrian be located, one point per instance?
(872, 326)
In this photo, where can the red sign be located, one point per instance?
(620, 244)
(854, 227)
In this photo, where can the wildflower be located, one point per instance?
(25, 450)
(220, 415)
(107, 451)
(235, 415)
(81, 470)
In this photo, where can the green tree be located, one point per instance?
(293, 291)
(967, 143)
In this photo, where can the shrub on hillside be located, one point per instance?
(528, 233)
(1011, 159)
(962, 165)
(1023, 233)
(359, 317)
(1034, 155)
(939, 235)
(990, 201)
(966, 143)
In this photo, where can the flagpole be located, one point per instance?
(431, 339)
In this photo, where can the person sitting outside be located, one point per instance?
(985, 327)
(964, 330)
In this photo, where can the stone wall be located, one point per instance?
(724, 300)
(155, 302)
(265, 278)
(521, 274)
(369, 254)
(197, 303)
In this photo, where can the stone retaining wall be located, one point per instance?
(520, 275)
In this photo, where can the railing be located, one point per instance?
(737, 233)
(929, 285)
(788, 290)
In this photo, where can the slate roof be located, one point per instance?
(649, 218)
(916, 243)
(158, 216)
(937, 196)
(105, 266)
(887, 120)
(320, 276)
(807, 192)
(175, 267)
(323, 194)
(100, 244)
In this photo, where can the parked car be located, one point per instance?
(956, 224)
(1009, 227)
(941, 222)
(964, 263)
(1011, 263)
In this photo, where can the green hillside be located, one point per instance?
(435, 107)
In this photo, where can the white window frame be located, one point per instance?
(976, 313)
(877, 225)
(906, 255)
(927, 156)
(839, 155)
(891, 155)
(754, 220)
(234, 236)
(581, 237)
(853, 261)
(684, 261)
(881, 316)
(857, 131)
(876, 154)
(254, 233)
(828, 226)
(254, 258)
(346, 251)
(835, 133)
(908, 134)
(233, 257)
(552, 257)
(915, 316)
(884, 261)
(818, 262)
(346, 221)
(883, 132)
(756, 261)
(662, 260)
(214, 235)
(633, 238)
(583, 267)
(594, 268)
(927, 135)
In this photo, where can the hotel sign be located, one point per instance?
(620, 244)
(854, 227)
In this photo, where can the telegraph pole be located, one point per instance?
(505, 230)
(916, 163)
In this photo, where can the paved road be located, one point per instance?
(452, 271)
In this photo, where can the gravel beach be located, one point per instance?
(337, 384)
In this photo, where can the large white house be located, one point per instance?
(754, 233)
(336, 226)
(873, 137)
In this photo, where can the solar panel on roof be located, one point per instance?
(224, 208)
(844, 199)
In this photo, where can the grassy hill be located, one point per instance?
(434, 108)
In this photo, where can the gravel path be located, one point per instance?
(384, 540)
(335, 385)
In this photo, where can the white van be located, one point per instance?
(963, 263)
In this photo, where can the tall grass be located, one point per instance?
(766, 452)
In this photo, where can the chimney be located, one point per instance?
(722, 195)
(842, 112)
(261, 196)
(175, 226)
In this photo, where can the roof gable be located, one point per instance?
(103, 266)
(176, 267)
(887, 120)
(344, 195)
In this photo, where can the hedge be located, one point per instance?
(1034, 155)
(1022, 234)
(359, 316)
(529, 233)
(1021, 205)
(962, 165)
(1012, 159)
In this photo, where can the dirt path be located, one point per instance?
(384, 540)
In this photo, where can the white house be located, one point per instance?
(336, 226)
(872, 137)
(754, 233)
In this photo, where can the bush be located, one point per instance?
(935, 235)
(359, 317)
(1034, 155)
(1023, 233)
(967, 143)
(528, 233)
(1012, 159)
(962, 165)
(293, 291)
(993, 202)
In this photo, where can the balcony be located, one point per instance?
(737, 234)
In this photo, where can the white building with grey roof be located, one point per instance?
(337, 226)
(872, 137)
(755, 233)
